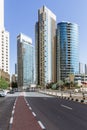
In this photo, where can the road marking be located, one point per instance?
(30, 108)
(26, 100)
(41, 125)
(27, 104)
(34, 114)
(15, 104)
(45, 98)
(66, 107)
(11, 120)
(13, 107)
(13, 112)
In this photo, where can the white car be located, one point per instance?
(2, 93)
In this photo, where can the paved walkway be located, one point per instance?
(23, 118)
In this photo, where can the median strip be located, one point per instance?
(66, 107)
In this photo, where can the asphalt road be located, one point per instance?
(6, 105)
(54, 113)
(59, 114)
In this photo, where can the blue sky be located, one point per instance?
(21, 15)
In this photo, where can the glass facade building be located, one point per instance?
(25, 55)
(67, 50)
(45, 46)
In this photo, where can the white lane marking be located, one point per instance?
(13, 112)
(27, 104)
(26, 101)
(34, 114)
(15, 104)
(66, 107)
(13, 107)
(16, 99)
(41, 125)
(11, 120)
(30, 108)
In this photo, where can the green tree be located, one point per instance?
(49, 85)
(54, 86)
(3, 84)
(60, 84)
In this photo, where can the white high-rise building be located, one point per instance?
(45, 34)
(85, 69)
(1, 13)
(4, 41)
(81, 68)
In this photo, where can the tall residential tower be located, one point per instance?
(4, 42)
(45, 46)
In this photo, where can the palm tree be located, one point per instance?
(60, 84)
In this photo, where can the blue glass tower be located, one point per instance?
(67, 50)
(25, 54)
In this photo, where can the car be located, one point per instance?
(11, 91)
(2, 93)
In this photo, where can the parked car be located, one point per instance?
(11, 91)
(2, 93)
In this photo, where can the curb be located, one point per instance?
(67, 98)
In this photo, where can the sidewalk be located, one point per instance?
(23, 118)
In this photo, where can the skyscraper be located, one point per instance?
(4, 42)
(45, 46)
(67, 50)
(1, 14)
(16, 68)
(25, 60)
(81, 68)
(85, 69)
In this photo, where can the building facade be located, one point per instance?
(14, 78)
(4, 42)
(67, 50)
(16, 68)
(45, 46)
(5, 75)
(85, 69)
(1, 13)
(25, 61)
(37, 53)
(81, 68)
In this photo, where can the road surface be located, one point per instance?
(54, 113)
(6, 105)
(59, 114)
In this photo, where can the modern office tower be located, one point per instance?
(25, 60)
(81, 68)
(15, 68)
(4, 42)
(85, 69)
(67, 50)
(45, 46)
